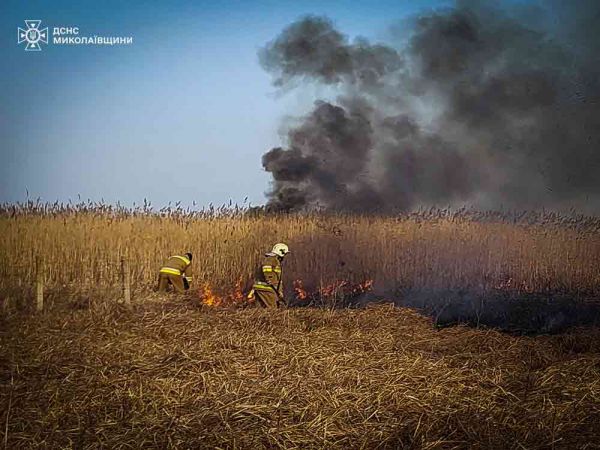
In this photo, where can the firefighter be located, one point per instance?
(268, 287)
(177, 272)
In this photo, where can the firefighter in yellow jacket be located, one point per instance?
(268, 287)
(176, 271)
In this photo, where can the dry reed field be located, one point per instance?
(208, 370)
(438, 249)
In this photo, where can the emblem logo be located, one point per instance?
(32, 35)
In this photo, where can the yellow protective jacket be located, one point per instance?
(178, 265)
(268, 275)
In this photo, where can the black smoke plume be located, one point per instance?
(481, 105)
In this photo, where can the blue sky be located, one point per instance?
(182, 114)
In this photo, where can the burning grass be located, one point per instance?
(176, 374)
(340, 292)
(447, 262)
(456, 250)
(208, 370)
(236, 297)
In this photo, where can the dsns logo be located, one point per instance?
(32, 35)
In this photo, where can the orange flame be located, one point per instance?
(339, 287)
(207, 296)
(333, 288)
(363, 287)
(301, 293)
(236, 297)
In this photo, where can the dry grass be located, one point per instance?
(174, 375)
(87, 373)
(435, 250)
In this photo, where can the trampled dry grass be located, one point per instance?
(171, 374)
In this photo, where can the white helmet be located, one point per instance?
(280, 249)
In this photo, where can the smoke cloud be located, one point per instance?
(481, 106)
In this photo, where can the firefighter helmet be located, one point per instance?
(280, 249)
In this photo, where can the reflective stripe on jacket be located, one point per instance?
(263, 286)
(269, 268)
(186, 261)
(268, 274)
(177, 265)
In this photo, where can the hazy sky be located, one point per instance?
(182, 114)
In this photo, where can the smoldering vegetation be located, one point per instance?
(478, 103)
(332, 371)
(528, 313)
(521, 271)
